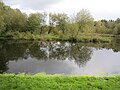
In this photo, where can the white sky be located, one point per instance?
(100, 9)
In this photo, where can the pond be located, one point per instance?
(59, 57)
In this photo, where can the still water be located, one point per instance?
(59, 58)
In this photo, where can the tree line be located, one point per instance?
(13, 20)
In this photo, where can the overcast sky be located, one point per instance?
(100, 9)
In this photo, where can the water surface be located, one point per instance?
(59, 57)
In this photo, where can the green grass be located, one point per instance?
(58, 82)
(90, 37)
(49, 37)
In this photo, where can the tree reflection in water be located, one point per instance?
(18, 50)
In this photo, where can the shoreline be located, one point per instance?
(81, 38)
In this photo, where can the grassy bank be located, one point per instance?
(49, 37)
(90, 38)
(58, 82)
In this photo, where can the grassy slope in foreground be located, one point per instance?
(58, 82)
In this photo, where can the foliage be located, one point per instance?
(34, 22)
(61, 26)
(118, 29)
(85, 21)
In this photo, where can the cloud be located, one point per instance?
(40, 4)
(33, 4)
(108, 9)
